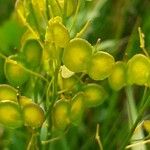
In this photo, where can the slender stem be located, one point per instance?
(31, 141)
(97, 137)
(138, 143)
(3, 56)
(141, 112)
(76, 14)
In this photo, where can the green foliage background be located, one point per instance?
(116, 23)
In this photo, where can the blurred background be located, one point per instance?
(116, 23)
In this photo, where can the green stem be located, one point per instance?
(138, 119)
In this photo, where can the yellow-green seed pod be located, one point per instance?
(23, 100)
(77, 55)
(8, 93)
(32, 52)
(33, 115)
(101, 65)
(57, 33)
(77, 108)
(61, 114)
(10, 114)
(94, 95)
(69, 83)
(146, 125)
(117, 78)
(138, 70)
(15, 73)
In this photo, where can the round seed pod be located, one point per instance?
(101, 65)
(146, 125)
(8, 92)
(15, 73)
(77, 108)
(77, 55)
(138, 70)
(32, 52)
(69, 83)
(117, 78)
(23, 100)
(33, 115)
(57, 33)
(10, 114)
(61, 114)
(94, 95)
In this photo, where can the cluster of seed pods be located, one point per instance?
(78, 56)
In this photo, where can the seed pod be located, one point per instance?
(138, 70)
(8, 93)
(77, 108)
(32, 52)
(33, 115)
(23, 100)
(101, 65)
(15, 73)
(117, 78)
(94, 95)
(10, 114)
(57, 33)
(146, 125)
(61, 114)
(77, 55)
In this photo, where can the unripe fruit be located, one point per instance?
(57, 33)
(61, 114)
(77, 108)
(33, 115)
(15, 73)
(10, 114)
(8, 93)
(117, 78)
(23, 101)
(146, 125)
(138, 69)
(101, 65)
(69, 83)
(32, 52)
(94, 94)
(77, 55)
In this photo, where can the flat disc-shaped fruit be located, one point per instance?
(77, 108)
(32, 52)
(23, 101)
(101, 65)
(77, 55)
(138, 69)
(117, 78)
(33, 115)
(61, 114)
(94, 95)
(57, 33)
(15, 73)
(10, 114)
(8, 93)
